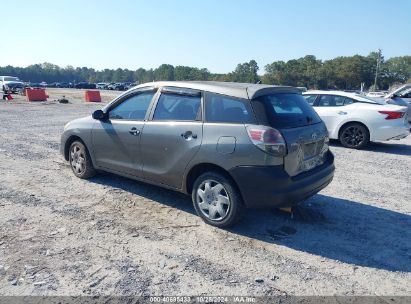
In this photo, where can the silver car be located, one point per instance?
(228, 145)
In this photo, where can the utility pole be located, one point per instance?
(376, 70)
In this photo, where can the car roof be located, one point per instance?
(235, 89)
(352, 95)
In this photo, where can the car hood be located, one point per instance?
(84, 122)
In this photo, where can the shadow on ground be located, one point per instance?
(339, 229)
(386, 147)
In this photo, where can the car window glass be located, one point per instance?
(133, 108)
(284, 110)
(310, 98)
(348, 101)
(177, 107)
(331, 101)
(220, 108)
(406, 94)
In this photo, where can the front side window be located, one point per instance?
(221, 108)
(334, 101)
(133, 108)
(175, 106)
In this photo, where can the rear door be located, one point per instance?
(304, 132)
(172, 136)
(116, 140)
(333, 109)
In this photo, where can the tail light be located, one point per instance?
(392, 114)
(267, 139)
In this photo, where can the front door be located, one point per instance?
(333, 109)
(116, 141)
(172, 137)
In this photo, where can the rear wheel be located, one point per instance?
(217, 200)
(354, 136)
(80, 160)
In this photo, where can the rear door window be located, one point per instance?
(334, 101)
(284, 110)
(221, 108)
(179, 106)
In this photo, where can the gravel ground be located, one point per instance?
(60, 235)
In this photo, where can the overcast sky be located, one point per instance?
(214, 34)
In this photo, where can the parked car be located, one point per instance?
(403, 92)
(10, 84)
(376, 94)
(401, 97)
(355, 120)
(85, 85)
(116, 86)
(228, 145)
(101, 86)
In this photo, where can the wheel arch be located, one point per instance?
(201, 168)
(68, 143)
(353, 122)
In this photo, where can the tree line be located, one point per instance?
(344, 73)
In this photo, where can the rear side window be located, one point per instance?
(310, 98)
(221, 108)
(133, 108)
(172, 106)
(284, 110)
(334, 101)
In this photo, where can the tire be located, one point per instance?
(354, 136)
(220, 203)
(80, 160)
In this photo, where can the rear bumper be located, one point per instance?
(383, 133)
(263, 186)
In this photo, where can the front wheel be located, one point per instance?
(80, 160)
(354, 136)
(217, 200)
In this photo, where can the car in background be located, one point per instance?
(85, 85)
(401, 97)
(11, 84)
(101, 86)
(228, 145)
(376, 94)
(355, 120)
(128, 85)
(117, 86)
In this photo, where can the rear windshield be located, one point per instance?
(284, 110)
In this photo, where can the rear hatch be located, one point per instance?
(304, 132)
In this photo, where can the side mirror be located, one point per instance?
(99, 115)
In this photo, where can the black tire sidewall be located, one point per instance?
(366, 134)
(236, 206)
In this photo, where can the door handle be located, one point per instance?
(134, 131)
(188, 135)
(342, 113)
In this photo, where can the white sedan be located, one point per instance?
(355, 120)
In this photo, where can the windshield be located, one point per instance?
(284, 110)
(11, 79)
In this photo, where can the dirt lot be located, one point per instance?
(60, 235)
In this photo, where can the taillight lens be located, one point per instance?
(267, 139)
(392, 114)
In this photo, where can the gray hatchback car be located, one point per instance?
(228, 145)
